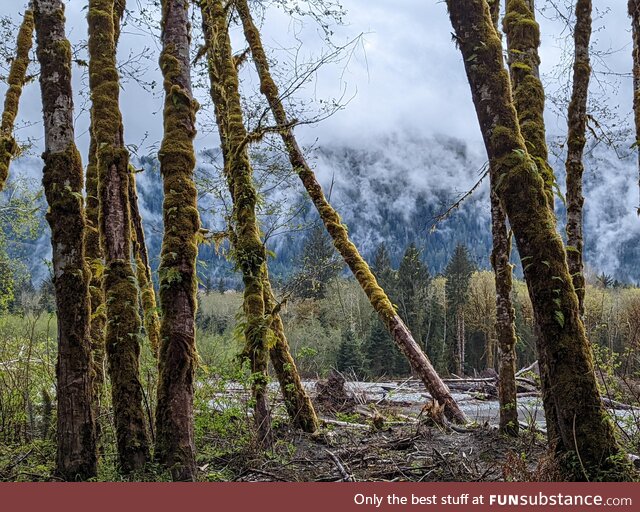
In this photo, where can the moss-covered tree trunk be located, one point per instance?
(634, 13)
(338, 232)
(249, 251)
(576, 140)
(523, 39)
(175, 446)
(122, 337)
(297, 402)
(505, 318)
(63, 180)
(586, 436)
(15, 81)
(143, 271)
(505, 314)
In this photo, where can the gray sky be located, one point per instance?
(407, 74)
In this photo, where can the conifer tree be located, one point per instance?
(16, 81)
(349, 356)
(336, 229)
(63, 179)
(378, 350)
(586, 443)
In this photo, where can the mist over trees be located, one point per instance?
(226, 296)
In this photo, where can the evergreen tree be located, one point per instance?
(458, 274)
(320, 265)
(412, 289)
(349, 358)
(381, 268)
(379, 350)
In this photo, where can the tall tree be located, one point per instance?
(338, 232)
(249, 250)
(634, 13)
(178, 284)
(63, 181)
(586, 437)
(122, 337)
(576, 140)
(505, 314)
(297, 402)
(16, 81)
(320, 265)
(458, 273)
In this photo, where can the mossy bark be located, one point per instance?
(143, 271)
(576, 140)
(586, 435)
(505, 318)
(634, 13)
(523, 39)
(338, 231)
(122, 337)
(93, 251)
(63, 181)
(249, 250)
(15, 81)
(505, 314)
(296, 400)
(175, 447)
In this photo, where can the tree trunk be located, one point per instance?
(296, 400)
(249, 250)
(576, 140)
(505, 314)
(178, 284)
(523, 39)
(505, 317)
(63, 179)
(586, 432)
(634, 13)
(143, 271)
(338, 232)
(121, 295)
(15, 81)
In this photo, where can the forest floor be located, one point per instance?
(383, 431)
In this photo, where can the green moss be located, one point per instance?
(16, 80)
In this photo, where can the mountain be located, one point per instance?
(391, 189)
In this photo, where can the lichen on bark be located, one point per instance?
(63, 180)
(585, 431)
(175, 446)
(15, 81)
(122, 337)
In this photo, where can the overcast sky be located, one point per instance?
(406, 74)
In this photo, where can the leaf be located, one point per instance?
(559, 318)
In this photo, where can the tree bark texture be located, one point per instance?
(16, 81)
(249, 250)
(505, 318)
(122, 337)
(505, 314)
(586, 433)
(338, 232)
(178, 284)
(523, 39)
(576, 140)
(76, 457)
(634, 13)
(143, 270)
